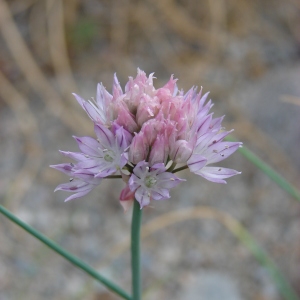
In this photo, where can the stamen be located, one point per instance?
(150, 181)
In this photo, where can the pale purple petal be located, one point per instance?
(141, 168)
(158, 168)
(104, 135)
(73, 186)
(65, 168)
(133, 182)
(196, 162)
(168, 180)
(106, 172)
(128, 136)
(203, 126)
(88, 164)
(142, 196)
(87, 145)
(78, 195)
(123, 138)
(79, 100)
(217, 174)
(94, 112)
(160, 194)
(85, 175)
(219, 137)
(220, 151)
(203, 142)
(77, 186)
(216, 123)
(103, 97)
(74, 155)
(203, 99)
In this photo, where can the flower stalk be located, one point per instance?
(65, 254)
(135, 251)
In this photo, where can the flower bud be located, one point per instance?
(159, 153)
(139, 149)
(181, 151)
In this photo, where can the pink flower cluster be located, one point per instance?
(143, 134)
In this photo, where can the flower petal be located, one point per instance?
(221, 151)
(65, 168)
(96, 114)
(142, 196)
(217, 174)
(78, 195)
(196, 162)
(168, 180)
(74, 155)
(73, 186)
(87, 145)
(133, 182)
(126, 198)
(105, 136)
(160, 194)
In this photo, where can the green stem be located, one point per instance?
(273, 175)
(282, 284)
(179, 169)
(68, 256)
(172, 167)
(135, 251)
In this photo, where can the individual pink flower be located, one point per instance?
(147, 109)
(137, 89)
(107, 154)
(151, 183)
(211, 148)
(99, 158)
(81, 182)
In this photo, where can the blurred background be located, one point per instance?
(247, 53)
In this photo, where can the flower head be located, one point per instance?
(139, 132)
